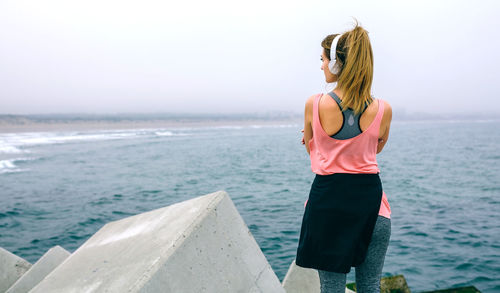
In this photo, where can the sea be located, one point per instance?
(442, 180)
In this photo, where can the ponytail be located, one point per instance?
(356, 74)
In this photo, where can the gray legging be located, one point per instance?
(369, 272)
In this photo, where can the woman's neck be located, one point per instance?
(338, 92)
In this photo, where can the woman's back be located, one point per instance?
(331, 117)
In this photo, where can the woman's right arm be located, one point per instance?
(308, 122)
(384, 127)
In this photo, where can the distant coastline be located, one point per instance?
(85, 121)
(62, 122)
(420, 116)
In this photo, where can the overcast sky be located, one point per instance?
(103, 56)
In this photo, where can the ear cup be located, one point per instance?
(333, 66)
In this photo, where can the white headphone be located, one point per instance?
(333, 66)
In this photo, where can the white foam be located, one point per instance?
(227, 127)
(124, 134)
(10, 143)
(16, 143)
(9, 149)
(12, 170)
(8, 166)
(64, 138)
(164, 133)
(257, 126)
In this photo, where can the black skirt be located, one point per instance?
(338, 221)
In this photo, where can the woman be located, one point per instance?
(346, 220)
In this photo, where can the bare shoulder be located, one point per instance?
(387, 110)
(387, 105)
(309, 105)
(310, 101)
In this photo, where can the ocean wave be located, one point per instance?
(237, 127)
(12, 144)
(54, 139)
(164, 133)
(15, 143)
(257, 126)
(227, 127)
(9, 149)
(9, 166)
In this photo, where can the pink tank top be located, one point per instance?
(354, 155)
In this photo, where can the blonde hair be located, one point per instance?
(355, 57)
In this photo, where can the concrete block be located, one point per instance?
(48, 262)
(199, 245)
(299, 280)
(12, 267)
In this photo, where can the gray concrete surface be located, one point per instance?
(300, 280)
(12, 267)
(199, 245)
(48, 262)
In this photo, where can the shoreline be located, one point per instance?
(107, 125)
(95, 125)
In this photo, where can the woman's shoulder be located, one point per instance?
(386, 104)
(310, 100)
(310, 106)
(387, 109)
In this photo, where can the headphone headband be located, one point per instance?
(333, 48)
(332, 65)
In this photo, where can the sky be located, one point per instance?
(260, 56)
